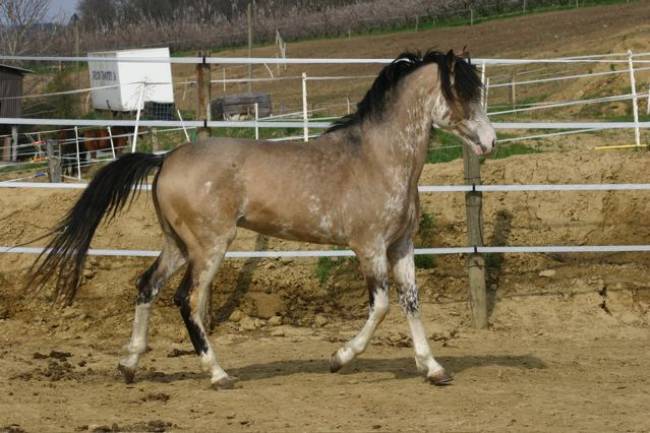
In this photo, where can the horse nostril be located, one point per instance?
(494, 142)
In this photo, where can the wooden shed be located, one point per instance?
(11, 90)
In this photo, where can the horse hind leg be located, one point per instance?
(374, 268)
(149, 285)
(191, 298)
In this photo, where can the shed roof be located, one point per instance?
(15, 69)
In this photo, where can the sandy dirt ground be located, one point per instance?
(567, 348)
(586, 372)
(568, 345)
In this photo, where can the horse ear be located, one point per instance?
(451, 60)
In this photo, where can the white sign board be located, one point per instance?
(117, 85)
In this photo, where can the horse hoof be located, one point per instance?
(128, 373)
(226, 382)
(440, 379)
(335, 364)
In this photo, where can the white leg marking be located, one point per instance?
(404, 274)
(424, 360)
(209, 358)
(138, 343)
(360, 341)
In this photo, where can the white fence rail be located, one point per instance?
(296, 124)
(420, 251)
(278, 254)
(421, 188)
(311, 61)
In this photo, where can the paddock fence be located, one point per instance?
(473, 189)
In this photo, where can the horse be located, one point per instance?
(353, 186)
(90, 142)
(95, 140)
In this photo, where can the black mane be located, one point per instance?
(467, 85)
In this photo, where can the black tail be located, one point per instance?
(107, 194)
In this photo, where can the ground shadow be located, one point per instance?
(242, 285)
(494, 262)
(401, 368)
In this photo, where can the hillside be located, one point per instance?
(593, 30)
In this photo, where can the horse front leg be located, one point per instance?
(403, 268)
(374, 267)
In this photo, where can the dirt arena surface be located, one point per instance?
(587, 372)
(567, 348)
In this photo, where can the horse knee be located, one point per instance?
(379, 302)
(147, 286)
(409, 299)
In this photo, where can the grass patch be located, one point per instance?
(451, 148)
(448, 147)
(324, 268)
(328, 266)
(513, 149)
(39, 166)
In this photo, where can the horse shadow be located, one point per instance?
(400, 368)
(494, 262)
(242, 286)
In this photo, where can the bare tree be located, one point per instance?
(22, 26)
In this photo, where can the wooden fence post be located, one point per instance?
(475, 263)
(155, 144)
(53, 163)
(14, 143)
(6, 149)
(203, 94)
(203, 103)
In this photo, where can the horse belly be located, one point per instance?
(297, 225)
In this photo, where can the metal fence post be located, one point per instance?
(137, 119)
(257, 118)
(180, 117)
(513, 90)
(76, 140)
(305, 114)
(483, 93)
(635, 103)
(110, 138)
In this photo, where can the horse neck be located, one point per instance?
(400, 140)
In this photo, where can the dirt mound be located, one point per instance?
(291, 289)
